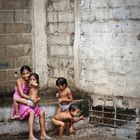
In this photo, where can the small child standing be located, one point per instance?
(66, 119)
(64, 94)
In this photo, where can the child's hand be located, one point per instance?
(57, 95)
(82, 117)
(60, 100)
(35, 101)
(33, 83)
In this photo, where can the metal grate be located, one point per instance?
(121, 120)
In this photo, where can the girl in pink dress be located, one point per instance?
(34, 111)
(25, 105)
(21, 90)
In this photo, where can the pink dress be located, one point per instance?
(24, 110)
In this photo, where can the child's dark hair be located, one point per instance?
(36, 77)
(73, 107)
(61, 81)
(25, 67)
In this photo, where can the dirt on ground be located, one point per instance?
(84, 133)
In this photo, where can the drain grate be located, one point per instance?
(122, 120)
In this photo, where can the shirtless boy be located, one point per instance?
(66, 119)
(64, 94)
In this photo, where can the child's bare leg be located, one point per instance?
(43, 135)
(15, 108)
(58, 110)
(21, 100)
(61, 129)
(30, 125)
(68, 125)
(71, 130)
(60, 124)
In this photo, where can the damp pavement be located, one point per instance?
(84, 131)
(87, 133)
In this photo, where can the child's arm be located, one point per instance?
(69, 99)
(35, 101)
(78, 119)
(33, 84)
(18, 83)
(57, 95)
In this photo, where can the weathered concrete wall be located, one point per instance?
(15, 40)
(60, 36)
(110, 47)
(94, 44)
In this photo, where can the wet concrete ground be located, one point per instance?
(83, 133)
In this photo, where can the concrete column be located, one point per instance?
(39, 40)
(76, 47)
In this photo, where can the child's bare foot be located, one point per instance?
(45, 138)
(32, 138)
(72, 131)
(15, 117)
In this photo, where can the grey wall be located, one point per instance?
(94, 44)
(15, 40)
(110, 47)
(60, 34)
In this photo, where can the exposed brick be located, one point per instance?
(11, 85)
(61, 50)
(133, 3)
(135, 13)
(1, 4)
(17, 4)
(15, 39)
(2, 75)
(3, 86)
(61, 27)
(6, 16)
(120, 13)
(23, 16)
(63, 39)
(17, 28)
(66, 16)
(1, 28)
(53, 62)
(70, 51)
(61, 16)
(60, 5)
(10, 75)
(18, 50)
(117, 3)
(52, 17)
(26, 60)
(3, 52)
(7, 63)
(97, 3)
(12, 51)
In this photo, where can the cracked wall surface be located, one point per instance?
(94, 44)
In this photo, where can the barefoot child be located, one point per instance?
(34, 111)
(21, 91)
(66, 119)
(64, 94)
(34, 88)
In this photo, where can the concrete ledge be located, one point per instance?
(8, 126)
